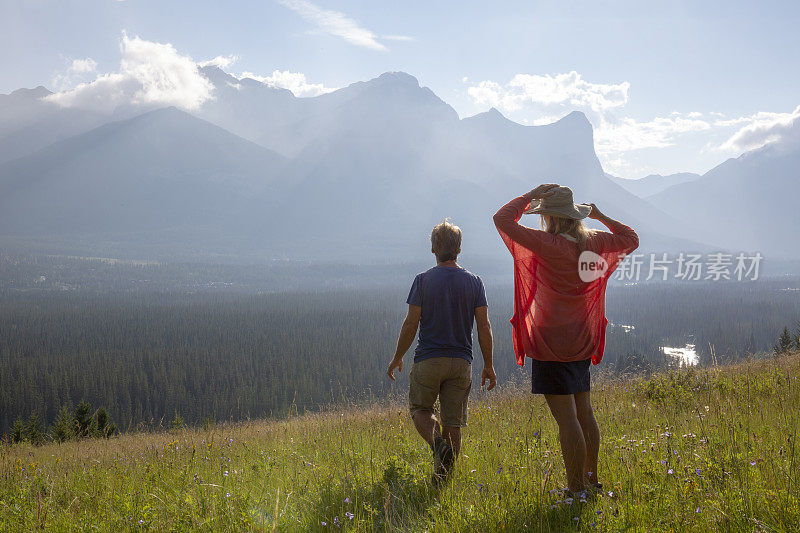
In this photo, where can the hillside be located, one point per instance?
(689, 450)
(745, 203)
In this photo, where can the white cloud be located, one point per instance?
(761, 128)
(150, 74)
(81, 66)
(78, 69)
(222, 62)
(629, 134)
(404, 38)
(560, 90)
(335, 23)
(293, 81)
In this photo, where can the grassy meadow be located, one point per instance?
(688, 450)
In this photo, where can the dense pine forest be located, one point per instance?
(211, 352)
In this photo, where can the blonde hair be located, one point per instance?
(573, 227)
(446, 241)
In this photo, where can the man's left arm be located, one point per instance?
(407, 333)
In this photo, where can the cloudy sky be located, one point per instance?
(669, 86)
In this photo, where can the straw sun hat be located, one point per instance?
(559, 204)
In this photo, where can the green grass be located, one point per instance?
(684, 451)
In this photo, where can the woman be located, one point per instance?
(560, 277)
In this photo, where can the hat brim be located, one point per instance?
(577, 212)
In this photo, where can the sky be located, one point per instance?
(668, 86)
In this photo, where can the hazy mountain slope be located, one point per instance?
(746, 203)
(163, 171)
(390, 159)
(654, 183)
(374, 166)
(252, 110)
(28, 122)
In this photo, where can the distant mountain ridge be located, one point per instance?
(653, 183)
(748, 203)
(361, 173)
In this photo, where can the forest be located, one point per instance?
(152, 356)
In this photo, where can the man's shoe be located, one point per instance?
(443, 460)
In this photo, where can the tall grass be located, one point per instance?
(686, 450)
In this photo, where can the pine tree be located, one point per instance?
(797, 337)
(784, 342)
(64, 426)
(33, 431)
(18, 431)
(83, 419)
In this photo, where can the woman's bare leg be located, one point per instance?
(591, 433)
(573, 445)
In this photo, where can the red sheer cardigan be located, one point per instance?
(557, 315)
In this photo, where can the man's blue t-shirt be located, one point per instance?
(448, 297)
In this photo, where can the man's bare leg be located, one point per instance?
(591, 433)
(427, 426)
(573, 445)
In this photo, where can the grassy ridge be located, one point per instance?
(688, 450)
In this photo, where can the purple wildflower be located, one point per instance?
(347, 500)
(349, 515)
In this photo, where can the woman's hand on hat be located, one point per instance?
(542, 191)
(594, 213)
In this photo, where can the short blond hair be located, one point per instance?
(446, 241)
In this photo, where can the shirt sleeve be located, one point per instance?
(414, 296)
(622, 239)
(480, 299)
(507, 222)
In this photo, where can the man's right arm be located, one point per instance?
(485, 340)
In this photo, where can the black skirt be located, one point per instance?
(555, 377)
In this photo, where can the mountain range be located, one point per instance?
(358, 174)
(653, 183)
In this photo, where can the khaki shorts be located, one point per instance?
(449, 379)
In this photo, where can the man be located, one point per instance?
(443, 302)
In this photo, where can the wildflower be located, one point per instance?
(697, 471)
(324, 523)
(669, 471)
(347, 500)
(610, 494)
(577, 518)
(697, 510)
(499, 469)
(536, 433)
(225, 473)
(228, 495)
(141, 521)
(349, 515)
(752, 463)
